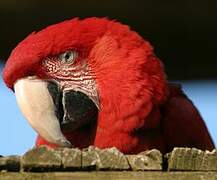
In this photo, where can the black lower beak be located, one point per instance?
(74, 109)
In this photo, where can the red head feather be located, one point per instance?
(130, 79)
(75, 33)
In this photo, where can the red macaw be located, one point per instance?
(110, 86)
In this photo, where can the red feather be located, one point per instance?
(138, 109)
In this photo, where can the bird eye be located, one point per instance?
(68, 57)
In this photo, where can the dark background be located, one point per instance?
(184, 33)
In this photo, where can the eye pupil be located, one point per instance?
(68, 57)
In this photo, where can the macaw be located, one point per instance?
(95, 81)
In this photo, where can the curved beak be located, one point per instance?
(38, 107)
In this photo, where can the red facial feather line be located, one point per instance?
(74, 76)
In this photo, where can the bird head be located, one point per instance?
(99, 70)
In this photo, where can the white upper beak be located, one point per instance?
(38, 107)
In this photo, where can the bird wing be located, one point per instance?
(182, 124)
